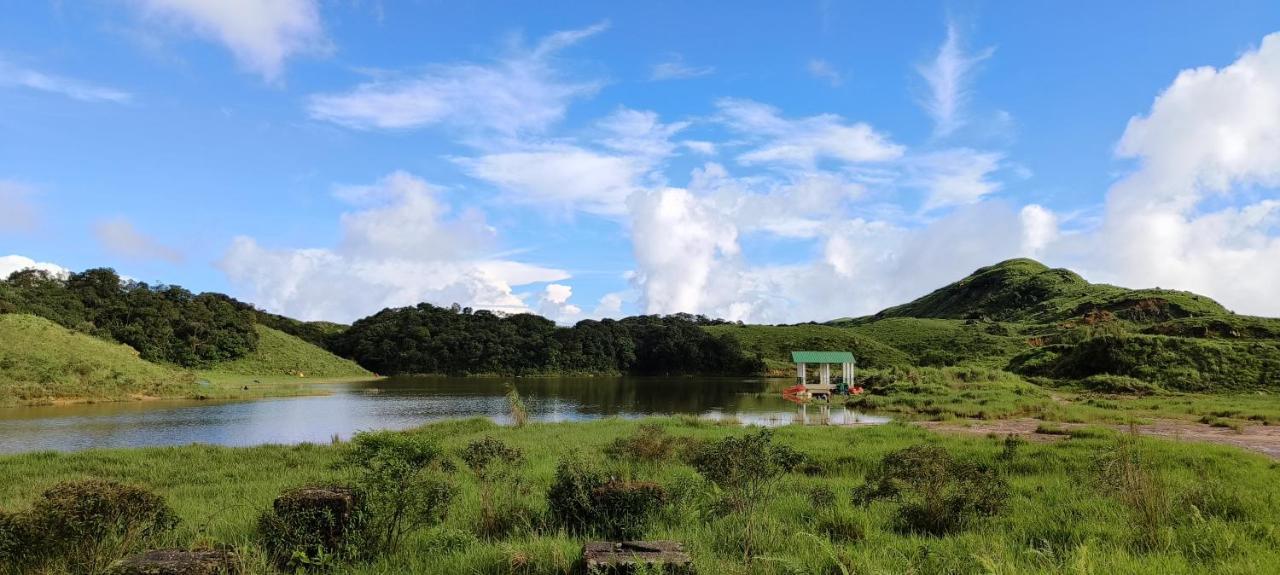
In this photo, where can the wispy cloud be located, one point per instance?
(950, 77)
(823, 70)
(13, 75)
(118, 236)
(520, 92)
(262, 35)
(803, 141)
(17, 212)
(675, 68)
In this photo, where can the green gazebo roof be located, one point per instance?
(822, 357)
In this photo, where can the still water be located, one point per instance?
(399, 403)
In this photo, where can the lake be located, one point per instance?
(399, 403)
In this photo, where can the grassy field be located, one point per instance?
(1199, 508)
(776, 343)
(43, 362)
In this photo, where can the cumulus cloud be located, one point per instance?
(118, 236)
(14, 263)
(949, 77)
(802, 142)
(554, 304)
(399, 246)
(1199, 212)
(677, 238)
(12, 75)
(521, 92)
(955, 177)
(18, 212)
(261, 34)
(675, 68)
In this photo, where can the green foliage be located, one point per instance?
(583, 499)
(401, 476)
(650, 443)
(279, 353)
(1124, 473)
(937, 493)
(1184, 364)
(746, 469)
(942, 342)
(80, 527)
(41, 361)
(1103, 383)
(969, 392)
(571, 499)
(496, 467)
(165, 323)
(776, 342)
(314, 527)
(427, 339)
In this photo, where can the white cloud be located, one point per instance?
(554, 304)
(677, 240)
(610, 305)
(262, 34)
(13, 263)
(950, 76)
(1039, 228)
(675, 68)
(12, 75)
(18, 213)
(598, 180)
(823, 70)
(1212, 138)
(118, 236)
(955, 177)
(399, 247)
(521, 92)
(802, 142)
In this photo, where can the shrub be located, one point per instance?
(583, 499)
(746, 468)
(839, 526)
(496, 468)
(937, 494)
(84, 525)
(314, 527)
(20, 542)
(400, 475)
(649, 443)
(1119, 384)
(821, 497)
(1124, 473)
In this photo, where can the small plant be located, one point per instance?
(937, 494)
(649, 443)
(1124, 473)
(401, 477)
(85, 525)
(20, 543)
(496, 468)
(746, 468)
(583, 499)
(515, 404)
(1010, 447)
(821, 497)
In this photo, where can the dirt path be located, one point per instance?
(1260, 438)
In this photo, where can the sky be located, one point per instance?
(758, 161)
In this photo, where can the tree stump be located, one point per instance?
(605, 557)
(178, 562)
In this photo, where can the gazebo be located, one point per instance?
(825, 359)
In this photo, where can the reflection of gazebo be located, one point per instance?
(825, 359)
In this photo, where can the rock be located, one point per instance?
(178, 562)
(600, 557)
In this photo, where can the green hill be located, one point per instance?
(41, 361)
(776, 343)
(1023, 290)
(281, 354)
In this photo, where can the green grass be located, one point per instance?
(1060, 516)
(43, 362)
(776, 342)
(282, 355)
(935, 342)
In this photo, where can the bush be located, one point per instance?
(1124, 473)
(314, 527)
(839, 526)
(649, 443)
(496, 468)
(583, 499)
(937, 494)
(1119, 384)
(401, 477)
(746, 468)
(82, 526)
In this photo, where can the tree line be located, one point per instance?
(169, 324)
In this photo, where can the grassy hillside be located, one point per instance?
(281, 354)
(937, 342)
(1024, 290)
(42, 361)
(776, 342)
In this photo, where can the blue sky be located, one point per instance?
(766, 162)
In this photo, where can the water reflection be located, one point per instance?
(400, 403)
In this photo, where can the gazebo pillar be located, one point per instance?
(800, 372)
